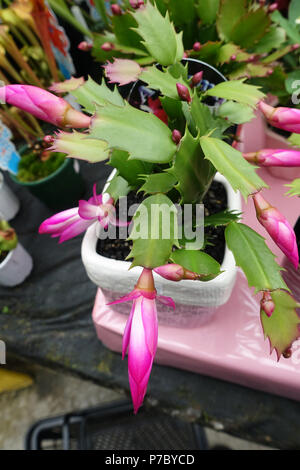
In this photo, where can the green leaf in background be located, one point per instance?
(291, 78)
(236, 113)
(295, 188)
(282, 328)
(289, 27)
(229, 14)
(250, 28)
(118, 187)
(228, 50)
(90, 94)
(294, 11)
(125, 35)
(202, 117)
(207, 11)
(141, 134)
(238, 91)
(158, 183)
(254, 257)
(209, 52)
(191, 170)
(273, 39)
(198, 262)
(159, 35)
(231, 163)
(162, 80)
(81, 146)
(130, 170)
(182, 12)
(294, 140)
(222, 218)
(156, 220)
(5, 244)
(62, 10)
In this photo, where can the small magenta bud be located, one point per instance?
(116, 9)
(48, 139)
(267, 304)
(233, 57)
(270, 71)
(183, 92)
(85, 46)
(134, 4)
(176, 136)
(175, 272)
(295, 46)
(272, 7)
(197, 46)
(141, 3)
(107, 46)
(287, 353)
(197, 78)
(185, 55)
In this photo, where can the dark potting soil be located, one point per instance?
(214, 201)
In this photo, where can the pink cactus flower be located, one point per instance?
(175, 272)
(70, 223)
(267, 304)
(278, 228)
(183, 92)
(140, 335)
(274, 157)
(44, 105)
(287, 119)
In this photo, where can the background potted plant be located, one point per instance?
(172, 157)
(9, 204)
(15, 262)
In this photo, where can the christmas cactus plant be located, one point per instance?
(171, 154)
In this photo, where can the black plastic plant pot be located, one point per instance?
(140, 93)
(60, 190)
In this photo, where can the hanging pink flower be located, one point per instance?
(70, 223)
(274, 157)
(287, 119)
(140, 335)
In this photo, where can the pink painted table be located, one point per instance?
(230, 345)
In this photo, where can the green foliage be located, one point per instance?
(198, 262)
(289, 27)
(154, 232)
(33, 168)
(236, 113)
(231, 163)
(91, 94)
(141, 134)
(162, 80)
(130, 170)
(229, 14)
(222, 218)
(254, 257)
(207, 11)
(8, 237)
(118, 187)
(158, 183)
(282, 328)
(250, 28)
(160, 38)
(294, 188)
(237, 90)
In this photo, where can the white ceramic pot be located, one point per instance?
(115, 276)
(16, 267)
(9, 204)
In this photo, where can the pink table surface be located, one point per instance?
(230, 345)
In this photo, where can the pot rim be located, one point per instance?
(6, 260)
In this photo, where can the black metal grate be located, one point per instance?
(115, 427)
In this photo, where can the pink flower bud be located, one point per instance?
(287, 353)
(274, 157)
(233, 57)
(185, 55)
(107, 46)
(295, 46)
(196, 78)
(44, 105)
(175, 272)
(272, 7)
(49, 139)
(136, 3)
(277, 227)
(176, 136)
(116, 9)
(287, 119)
(267, 304)
(183, 92)
(197, 46)
(85, 46)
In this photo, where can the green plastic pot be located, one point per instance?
(60, 190)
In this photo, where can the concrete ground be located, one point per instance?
(54, 393)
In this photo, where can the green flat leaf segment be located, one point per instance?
(207, 11)
(141, 134)
(130, 170)
(118, 187)
(295, 188)
(158, 183)
(282, 328)
(90, 94)
(254, 257)
(198, 262)
(163, 81)
(250, 28)
(236, 113)
(230, 163)
(237, 90)
(154, 232)
(160, 38)
(222, 218)
(229, 14)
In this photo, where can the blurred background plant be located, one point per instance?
(8, 239)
